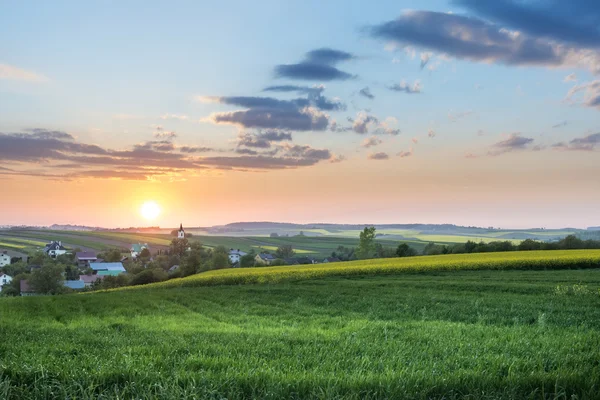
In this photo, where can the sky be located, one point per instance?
(462, 111)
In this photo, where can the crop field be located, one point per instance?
(473, 333)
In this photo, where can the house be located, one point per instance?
(235, 255)
(110, 268)
(25, 289)
(4, 280)
(264, 259)
(291, 261)
(306, 260)
(137, 248)
(55, 249)
(174, 268)
(84, 258)
(75, 285)
(4, 258)
(180, 232)
(331, 259)
(89, 280)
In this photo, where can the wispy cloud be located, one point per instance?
(406, 88)
(371, 142)
(586, 143)
(180, 117)
(317, 65)
(515, 142)
(366, 92)
(379, 156)
(10, 72)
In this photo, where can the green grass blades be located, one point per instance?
(490, 334)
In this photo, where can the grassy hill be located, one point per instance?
(405, 328)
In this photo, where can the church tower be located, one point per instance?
(180, 232)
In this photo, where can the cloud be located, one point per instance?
(415, 140)
(453, 117)
(162, 134)
(262, 140)
(370, 142)
(515, 142)
(406, 88)
(575, 21)
(570, 78)
(195, 149)
(404, 154)
(425, 57)
(560, 124)
(586, 143)
(305, 119)
(362, 122)
(10, 72)
(328, 56)
(366, 92)
(317, 65)
(61, 157)
(473, 39)
(378, 156)
(591, 93)
(431, 133)
(175, 116)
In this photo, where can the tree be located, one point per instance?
(48, 279)
(71, 273)
(219, 258)
(247, 261)
(366, 244)
(179, 246)
(15, 269)
(39, 258)
(112, 255)
(14, 288)
(404, 250)
(194, 260)
(145, 254)
(285, 251)
(149, 276)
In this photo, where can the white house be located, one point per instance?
(180, 232)
(235, 255)
(4, 258)
(55, 249)
(4, 280)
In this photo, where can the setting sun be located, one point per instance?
(150, 210)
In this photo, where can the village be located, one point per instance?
(91, 269)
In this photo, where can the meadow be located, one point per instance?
(401, 328)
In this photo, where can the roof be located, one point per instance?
(173, 268)
(24, 286)
(3, 274)
(238, 252)
(138, 247)
(107, 266)
(78, 284)
(267, 256)
(109, 273)
(291, 261)
(90, 278)
(86, 255)
(332, 259)
(181, 227)
(54, 246)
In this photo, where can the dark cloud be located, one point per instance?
(574, 21)
(379, 156)
(474, 39)
(49, 134)
(195, 149)
(328, 56)
(315, 96)
(60, 152)
(306, 119)
(262, 140)
(406, 88)
(513, 143)
(586, 143)
(317, 65)
(362, 122)
(366, 92)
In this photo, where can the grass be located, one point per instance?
(485, 334)
(274, 248)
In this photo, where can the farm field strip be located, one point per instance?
(559, 259)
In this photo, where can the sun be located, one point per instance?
(150, 210)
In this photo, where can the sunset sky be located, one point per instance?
(464, 112)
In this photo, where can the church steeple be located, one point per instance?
(181, 232)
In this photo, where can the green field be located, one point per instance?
(468, 326)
